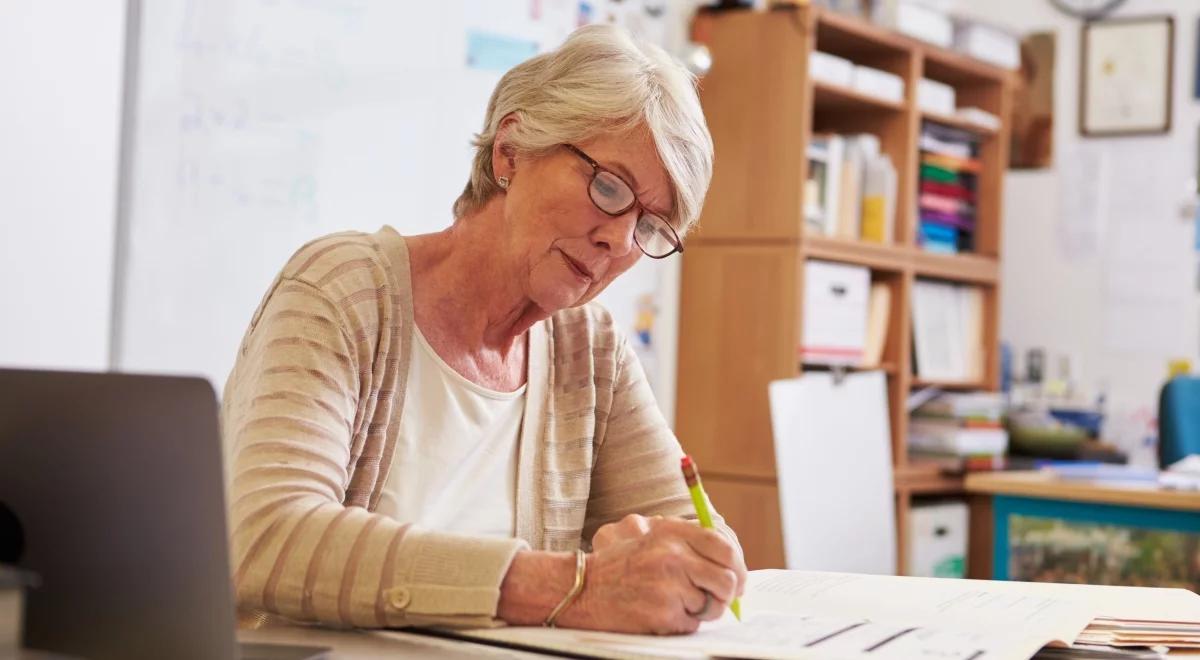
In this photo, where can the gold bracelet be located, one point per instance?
(576, 589)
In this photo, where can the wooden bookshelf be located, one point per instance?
(741, 300)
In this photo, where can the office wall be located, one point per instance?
(61, 64)
(1110, 282)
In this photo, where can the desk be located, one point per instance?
(1032, 526)
(370, 645)
(1007, 604)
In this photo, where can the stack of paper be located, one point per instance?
(810, 614)
(916, 20)
(983, 407)
(978, 116)
(1183, 474)
(830, 69)
(935, 96)
(879, 84)
(955, 439)
(988, 43)
(1110, 631)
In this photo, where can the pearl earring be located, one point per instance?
(503, 181)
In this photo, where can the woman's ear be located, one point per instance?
(504, 155)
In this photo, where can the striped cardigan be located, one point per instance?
(310, 417)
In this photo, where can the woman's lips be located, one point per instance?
(574, 265)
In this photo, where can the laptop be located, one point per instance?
(111, 492)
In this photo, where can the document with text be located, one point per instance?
(809, 614)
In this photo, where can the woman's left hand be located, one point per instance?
(633, 526)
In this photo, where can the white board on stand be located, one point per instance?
(834, 463)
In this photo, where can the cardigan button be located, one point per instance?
(399, 597)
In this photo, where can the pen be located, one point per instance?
(692, 476)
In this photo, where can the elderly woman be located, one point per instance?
(441, 429)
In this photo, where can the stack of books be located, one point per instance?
(966, 425)
(948, 189)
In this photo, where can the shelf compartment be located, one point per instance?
(836, 98)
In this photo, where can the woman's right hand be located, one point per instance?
(656, 582)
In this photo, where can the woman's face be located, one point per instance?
(568, 249)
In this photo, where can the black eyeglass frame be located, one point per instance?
(597, 168)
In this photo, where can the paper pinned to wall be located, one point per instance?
(1146, 290)
(1150, 179)
(1083, 210)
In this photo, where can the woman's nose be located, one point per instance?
(615, 234)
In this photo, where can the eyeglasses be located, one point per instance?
(655, 237)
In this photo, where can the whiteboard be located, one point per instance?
(262, 125)
(61, 64)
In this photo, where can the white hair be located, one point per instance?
(599, 81)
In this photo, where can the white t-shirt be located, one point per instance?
(455, 466)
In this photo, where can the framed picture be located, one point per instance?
(1125, 76)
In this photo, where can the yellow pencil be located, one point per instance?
(692, 476)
